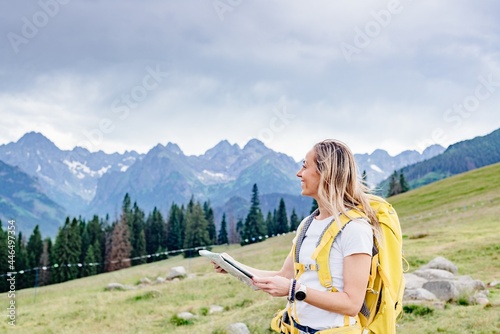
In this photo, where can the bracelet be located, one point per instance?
(291, 292)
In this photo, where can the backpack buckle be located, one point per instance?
(311, 267)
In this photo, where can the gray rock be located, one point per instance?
(186, 316)
(177, 272)
(145, 280)
(115, 286)
(434, 274)
(238, 328)
(443, 290)
(419, 294)
(442, 264)
(413, 281)
(467, 285)
(215, 309)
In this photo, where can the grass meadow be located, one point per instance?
(457, 218)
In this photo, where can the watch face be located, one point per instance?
(300, 295)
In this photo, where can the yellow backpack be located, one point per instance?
(384, 293)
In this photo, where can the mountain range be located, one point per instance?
(81, 183)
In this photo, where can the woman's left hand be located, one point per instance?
(276, 286)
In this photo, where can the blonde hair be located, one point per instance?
(340, 189)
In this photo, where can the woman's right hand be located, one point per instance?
(219, 269)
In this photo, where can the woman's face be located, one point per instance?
(309, 176)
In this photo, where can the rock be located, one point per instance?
(434, 274)
(480, 298)
(186, 316)
(443, 290)
(413, 281)
(238, 328)
(419, 294)
(145, 280)
(442, 264)
(215, 309)
(177, 272)
(436, 304)
(467, 285)
(160, 280)
(493, 284)
(115, 286)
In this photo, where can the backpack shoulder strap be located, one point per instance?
(322, 253)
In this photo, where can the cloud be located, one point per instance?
(382, 74)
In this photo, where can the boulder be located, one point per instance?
(413, 281)
(238, 328)
(434, 274)
(443, 290)
(177, 272)
(215, 309)
(186, 316)
(419, 294)
(442, 264)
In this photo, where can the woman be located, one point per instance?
(328, 175)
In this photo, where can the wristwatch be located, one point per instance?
(301, 293)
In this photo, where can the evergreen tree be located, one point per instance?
(138, 239)
(402, 181)
(196, 233)
(89, 263)
(96, 238)
(364, 178)
(281, 219)
(34, 250)
(254, 227)
(294, 221)
(314, 205)
(155, 233)
(222, 238)
(4, 256)
(22, 263)
(44, 278)
(175, 231)
(271, 228)
(394, 186)
(209, 216)
(66, 252)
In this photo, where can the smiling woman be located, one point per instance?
(328, 293)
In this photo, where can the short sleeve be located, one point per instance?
(357, 237)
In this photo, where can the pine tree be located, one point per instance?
(34, 250)
(281, 219)
(314, 205)
(364, 178)
(209, 216)
(402, 181)
(45, 275)
(96, 236)
(4, 256)
(89, 263)
(138, 239)
(66, 252)
(22, 263)
(196, 233)
(155, 233)
(222, 238)
(175, 230)
(394, 186)
(294, 221)
(254, 228)
(271, 228)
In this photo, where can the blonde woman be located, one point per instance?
(329, 175)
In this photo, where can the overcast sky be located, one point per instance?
(122, 75)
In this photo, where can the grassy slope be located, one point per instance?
(456, 218)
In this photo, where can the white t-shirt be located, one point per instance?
(357, 237)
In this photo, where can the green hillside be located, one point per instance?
(457, 218)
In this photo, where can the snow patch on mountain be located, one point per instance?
(376, 168)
